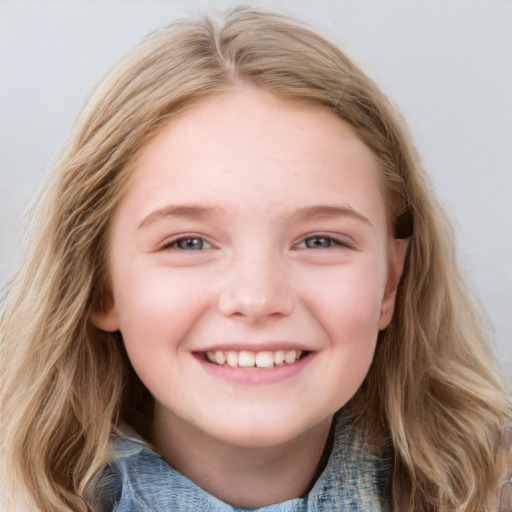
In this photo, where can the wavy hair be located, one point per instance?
(433, 393)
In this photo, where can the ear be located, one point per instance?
(104, 315)
(396, 259)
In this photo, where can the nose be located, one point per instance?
(256, 288)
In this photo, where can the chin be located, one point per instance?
(259, 439)
(268, 432)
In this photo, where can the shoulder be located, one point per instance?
(137, 479)
(356, 476)
(111, 483)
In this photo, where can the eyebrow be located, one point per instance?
(304, 214)
(319, 212)
(189, 211)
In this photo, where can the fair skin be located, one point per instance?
(251, 228)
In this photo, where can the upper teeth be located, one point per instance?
(246, 359)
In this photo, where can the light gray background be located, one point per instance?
(447, 64)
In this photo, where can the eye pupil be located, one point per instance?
(318, 242)
(189, 244)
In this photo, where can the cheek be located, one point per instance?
(347, 306)
(348, 303)
(350, 316)
(158, 307)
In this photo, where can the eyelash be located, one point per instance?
(332, 242)
(174, 244)
(200, 242)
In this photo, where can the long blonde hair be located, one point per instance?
(433, 392)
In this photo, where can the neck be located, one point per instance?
(249, 477)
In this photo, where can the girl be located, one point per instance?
(240, 294)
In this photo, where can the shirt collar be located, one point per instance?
(139, 480)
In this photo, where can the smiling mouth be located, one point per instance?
(247, 359)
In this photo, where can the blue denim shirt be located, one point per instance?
(139, 480)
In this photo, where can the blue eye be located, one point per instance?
(323, 242)
(188, 243)
(318, 242)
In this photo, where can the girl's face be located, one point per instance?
(251, 268)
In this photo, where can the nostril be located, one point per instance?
(243, 304)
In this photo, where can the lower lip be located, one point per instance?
(256, 375)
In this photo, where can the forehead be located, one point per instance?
(252, 146)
